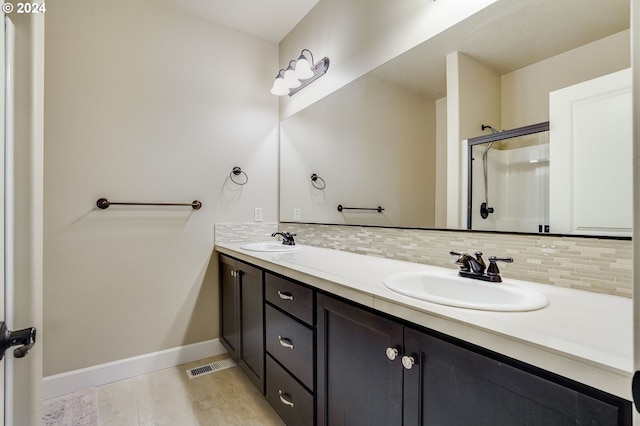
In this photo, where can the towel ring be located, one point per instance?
(314, 181)
(237, 171)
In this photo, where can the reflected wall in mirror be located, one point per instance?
(375, 153)
(395, 137)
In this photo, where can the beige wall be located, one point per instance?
(146, 103)
(372, 153)
(473, 99)
(533, 83)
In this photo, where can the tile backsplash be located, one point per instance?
(592, 264)
(244, 232)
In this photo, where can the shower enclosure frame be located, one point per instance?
(494, 137)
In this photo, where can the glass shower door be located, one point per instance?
(509, 181)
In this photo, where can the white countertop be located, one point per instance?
(581, 335)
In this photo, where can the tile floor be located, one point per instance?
(170, 397)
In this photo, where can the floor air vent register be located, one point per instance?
(210, 368)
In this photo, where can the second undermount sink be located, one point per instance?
(449, 289)
(269, 247)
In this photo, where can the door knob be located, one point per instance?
(24, 338)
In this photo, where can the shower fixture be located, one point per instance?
(486, 126)
(485, 210)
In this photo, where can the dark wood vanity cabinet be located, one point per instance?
(289, 330)
(357, 383)
(447, 384)
(373, 370)
(229, 307)
(321, 360)
(242, 316)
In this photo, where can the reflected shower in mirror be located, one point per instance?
(508, 180)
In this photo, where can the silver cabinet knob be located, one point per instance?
(392, 353)
(408, 362)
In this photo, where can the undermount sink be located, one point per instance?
(269, 247)
(452, 290)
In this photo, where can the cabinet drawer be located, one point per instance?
(291, 343)
(292, 402)
(290, 296)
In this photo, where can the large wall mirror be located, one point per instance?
(389, 149)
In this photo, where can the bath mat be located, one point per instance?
(79, 408)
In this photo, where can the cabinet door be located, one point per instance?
(250, 280)
(229, 307)
(451, 385)
(357, 384)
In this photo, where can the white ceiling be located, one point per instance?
(268, 19)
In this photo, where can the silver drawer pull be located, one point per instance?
(285, 342)
(285, 296)
(285, 398)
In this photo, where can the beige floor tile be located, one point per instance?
(116, 405)
(170, 397)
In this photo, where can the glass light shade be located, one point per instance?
(290, 78)
(279, 87)
(303, 69)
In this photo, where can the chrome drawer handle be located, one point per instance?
(285, 342)
(285, 399)
(285, 296)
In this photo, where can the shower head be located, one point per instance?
(486, 126)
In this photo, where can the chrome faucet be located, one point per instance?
(287, 238)
(474, 267)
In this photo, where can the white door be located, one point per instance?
(21, 206)
(590, 137)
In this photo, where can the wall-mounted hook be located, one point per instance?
(318, 185)
(237, 171)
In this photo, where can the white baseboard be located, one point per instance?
(97, 375)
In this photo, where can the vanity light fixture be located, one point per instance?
(290, 79)
(279, 87)
(299, 74)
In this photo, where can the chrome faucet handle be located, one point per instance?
(462, 260)
(501, 259)
(493, 270)
(460, 255)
